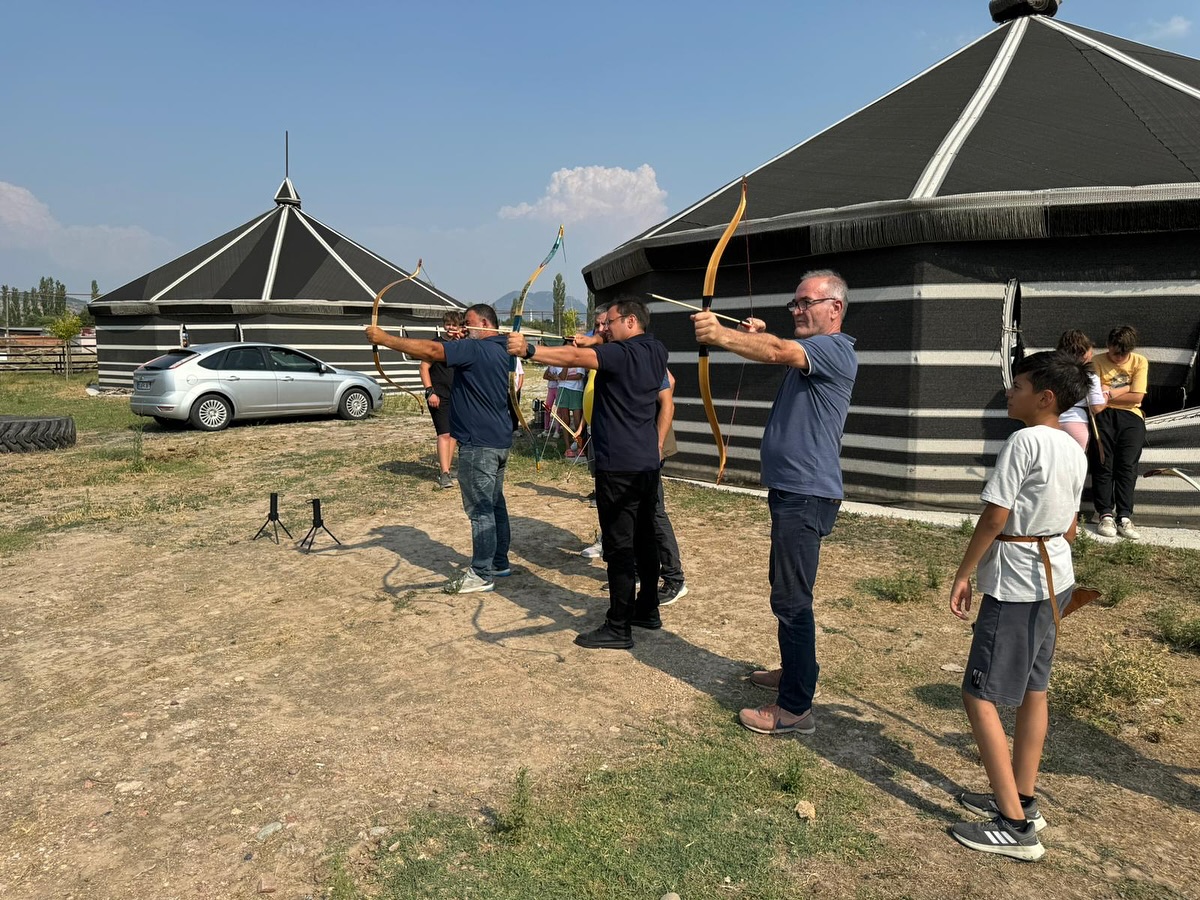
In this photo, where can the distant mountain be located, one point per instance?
(538, 304)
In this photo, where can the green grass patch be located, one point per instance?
(706, 816)
(903, 587)
(49, 395)
(1178, 626)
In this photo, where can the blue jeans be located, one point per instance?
(798, 523)
(481, 480)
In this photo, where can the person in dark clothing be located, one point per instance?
(438, 379)
(630, 366)
(480, 424)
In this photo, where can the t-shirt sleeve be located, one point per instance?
(1139, 378)
(1095, 395)
(828, 357)
(1011, 467)
(609, 356)
(461, 354)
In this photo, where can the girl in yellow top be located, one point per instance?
(1123, 378)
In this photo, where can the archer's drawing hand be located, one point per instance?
(753, 326)
(516, 344)
(960, 597)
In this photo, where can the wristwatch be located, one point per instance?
(428, 391)
(530, 350)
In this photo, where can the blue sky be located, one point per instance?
(460, 132)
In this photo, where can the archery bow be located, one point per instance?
(375, 322)
(518, 313)
(710, 284)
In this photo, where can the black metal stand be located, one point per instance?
(273, 519)
(318, 523)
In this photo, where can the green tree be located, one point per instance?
(570, 322)
(560, 302)
(66, 328)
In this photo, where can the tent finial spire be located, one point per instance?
(1004, 10)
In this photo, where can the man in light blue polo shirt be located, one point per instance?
(800, 448)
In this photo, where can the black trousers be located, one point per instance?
(1122, 434)
(626, 503)
(669, 564)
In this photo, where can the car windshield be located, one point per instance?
(170, 359)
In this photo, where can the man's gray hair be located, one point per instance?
(837, 284)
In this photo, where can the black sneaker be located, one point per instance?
(985, 805)
(669, 593)
(650, 623)
(997, 836)
(444, 480)
(604, 638)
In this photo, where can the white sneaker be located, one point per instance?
(1107, 527)
(468, 583)
(1126, 530)
(593, 552)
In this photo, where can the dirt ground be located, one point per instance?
(172, 691)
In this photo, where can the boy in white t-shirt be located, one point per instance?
(1034, 491)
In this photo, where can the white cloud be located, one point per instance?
(1174, 29)
(591, 193)
(32, 239)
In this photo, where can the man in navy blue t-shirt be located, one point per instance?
(800, 448)
(479, 422)
(630, 366)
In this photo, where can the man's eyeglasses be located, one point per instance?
(803, 305)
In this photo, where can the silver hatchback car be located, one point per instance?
(210, 385)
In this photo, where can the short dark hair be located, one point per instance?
(487, 312)
(1058, 372)
(1075, 342)
(632, 306)
(1123, 338)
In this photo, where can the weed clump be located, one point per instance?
(1125, 683)
(1176, 628)
(903, 587)
(512, 822)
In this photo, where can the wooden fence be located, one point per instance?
(42, 353)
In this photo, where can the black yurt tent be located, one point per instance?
(283, 277)
(1044, 177)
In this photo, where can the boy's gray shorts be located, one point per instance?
(1012, 650)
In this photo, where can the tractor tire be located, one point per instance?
(22, 435)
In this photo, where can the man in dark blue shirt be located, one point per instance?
(630, 366)
(800, 448)
(479, 421)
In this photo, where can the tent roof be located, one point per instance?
(1037, 111)
(283, 255)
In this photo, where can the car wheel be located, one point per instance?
(20, 435)
(355, 405)
(172, 424)
(211, 412)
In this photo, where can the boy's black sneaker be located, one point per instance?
(985, 805)
(997, 836)
(649, 622)
(604, 638)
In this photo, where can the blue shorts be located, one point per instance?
(1012, 650)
